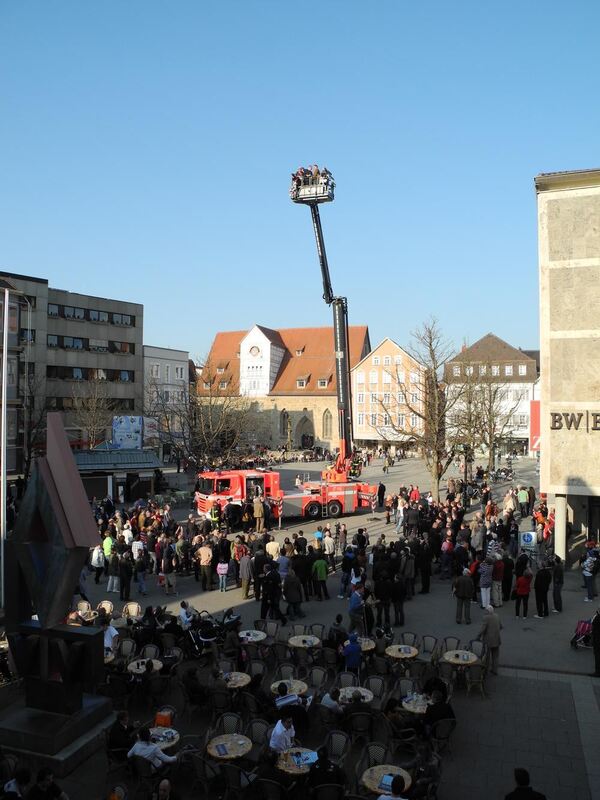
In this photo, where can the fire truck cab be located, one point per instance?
(239, 484)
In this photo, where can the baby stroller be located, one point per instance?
(583, 634)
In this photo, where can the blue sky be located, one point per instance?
(146, 150)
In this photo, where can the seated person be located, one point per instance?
(144, 748)
(197, 692)
(324, 771)
(122, 734)
(331, 700)
(397, 790)
(111, 637)
(17, 787)
(397, 716)
(232, 647)
(264, 699)
(294, 706)
(356, 705)
(353, 654)
(186, 615)
(337, 632)
(45, 788)
(164, 791)
(438, 709)
(436, 684)
(217, 681)
(283, 735)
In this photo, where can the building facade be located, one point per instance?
(289, 375)
(166, 392)
(569, 273)
(513, 376)
(387, 388)
(81, 350)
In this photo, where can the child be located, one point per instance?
(222, 570)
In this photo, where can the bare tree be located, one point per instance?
(33, 420)
(496, 412)
(93, 410)
(418, 409)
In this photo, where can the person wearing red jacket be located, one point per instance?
(522, 589)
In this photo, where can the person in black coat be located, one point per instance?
(125, 576)
(398, 598)
(380, 494)
(507, 578)
(541, 584)
(383, 593)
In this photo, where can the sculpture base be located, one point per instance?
(55, 740)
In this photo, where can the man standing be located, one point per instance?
(490, 636)
(259, 514)
(541, 584)
(245, 573)
(356, 609)
(329, 549)
(523, 790)
(464, 590)
(523, 498)
(380, 494)
(205, 555)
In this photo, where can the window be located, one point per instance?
(97, 374)
(387, 361)
(401, 376)
(523, 420)
(77, 343)
(387, 378)
(166, 396)
(414, 398)
(155, 371)
(68, 342)
(121, 319)
(522, 369)
(373, 397)
(401, 421)
(222, 384)
(360, 377)
(283, 423)
(456, 371)
(495, 370)
(79, 313)
(52, 310)
(414, 378)
(77, 374)
(125, 376)
(387, 398)
(167, 373)
(69, 312)
(397, 360)
(51, 371)
(386, 419)
(206, 385)
(179, 373)
(11, 369)
(220, 370)
(360, 397)
(299, 352)
(98, 316)
(373, 420)
(469, 370)
(373, 376)
(327, 424)
(482, 369)
(400, 397)
(98, 345)
(52, 340)
(301, 383)
(322, 383)
(361, 418)
(413, 420)
(27, 335)
(376, 361)
(508, 370)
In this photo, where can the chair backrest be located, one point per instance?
(446, 671)
(233, 776)
(442, 729)
(167, 641)
(106, 605)
(149, 651)
(318, 629)
(83, 606)
(298, 629)
(203, 769)
(132, 610)
(284, 672)
(228, 723)
(380, 665)
(226, 665)
(376, 753)
(327, 716)
(260, 625)
(477, 647)
(281, 651)
(360, 722)
(270, 790)
(329, 657)
(450, 643)
(382, 729)
(176, 653)
(221, 700)
(337, 744)
(317, 677)
(249, 704)
(410, 638)
(256, 730)
(428, 644)
(126, 647)
(272, 628)
(404, 686)
(475, 674)
(252, 650)
(375, 684)
(256, 667)
(346, 679)
(328, 791)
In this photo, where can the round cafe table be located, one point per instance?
(235, 746)
(138, 665)
(286, 763)
(366, 644)
(237, 680)
(348, 691)
(304, 641)
(401, 651)
(416, 706)
(252, 636)
(460, 658)
(293, 686)
(109, 657)
(371, 778)
(164, 744)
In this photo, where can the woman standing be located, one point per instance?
(558, 578)
(486, 571)
(522, 589)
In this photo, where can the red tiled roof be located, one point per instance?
(317, 361)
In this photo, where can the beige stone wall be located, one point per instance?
(569, 269)
(306, 413)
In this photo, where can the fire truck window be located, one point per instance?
(205, 485)
(251, 485)
(223, 485)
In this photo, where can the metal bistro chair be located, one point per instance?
(428, 649)
(450, 643)
(228, 723)
(359, 725)
(284, 672)
(316, 679)
(237, 780)
(83, 607)
(256, 731)
(338, 746)
(441, 733)
(149, 651)
(318, 629)
(298, 629)
(328, 791)
(376, 684)
(409, 638)
(345, 680)
(475, 677)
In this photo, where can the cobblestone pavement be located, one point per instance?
(541, 712)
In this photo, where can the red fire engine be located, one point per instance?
(336, 493)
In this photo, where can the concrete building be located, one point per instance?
(514, 373)
(79, 346)
(167, 382)
(289, 374)
(386, 391)
(569, 272)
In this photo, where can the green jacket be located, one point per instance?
(319, 569)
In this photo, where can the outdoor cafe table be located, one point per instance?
(401, 651)
(138, 665)
(286, 763)
(371, 778)
(157, 736)
(304, 641)
(416, 705)
(460, 658)
(293, 686)
(229, 746)
(236, 680)
(252, 636)
(347, 692)
(366, 644)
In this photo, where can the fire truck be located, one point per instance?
(338, 492)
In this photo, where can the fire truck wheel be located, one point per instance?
(334, 508)
(313, 511)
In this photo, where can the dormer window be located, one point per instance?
(220, 370)
(299, 351)
(301, 383)
(322, 383)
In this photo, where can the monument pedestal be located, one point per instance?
(58, 741)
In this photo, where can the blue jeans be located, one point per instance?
(344, 584)
(589, 585)
(223, 583)
(141, 582)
